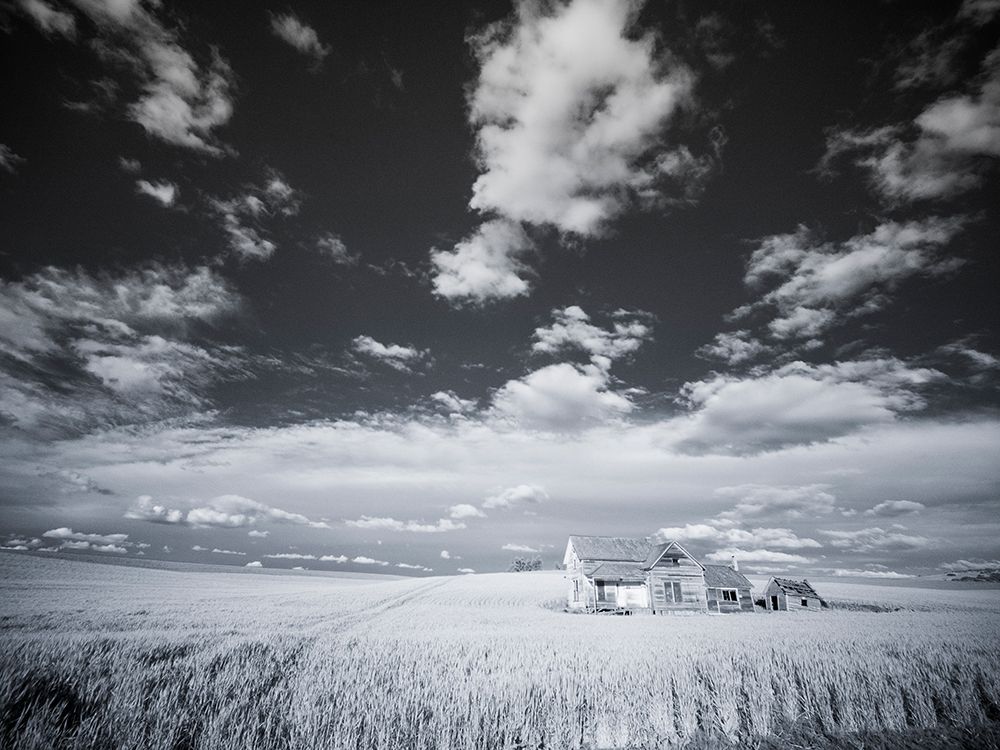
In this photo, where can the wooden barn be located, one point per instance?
(786, 594)
(633, 574)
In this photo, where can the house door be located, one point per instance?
(774, 603)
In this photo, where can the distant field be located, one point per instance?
(123, 657)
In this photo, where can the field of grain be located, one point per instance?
(118, 657)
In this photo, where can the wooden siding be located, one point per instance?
(692, 584)
(788, 602)
(716, 603)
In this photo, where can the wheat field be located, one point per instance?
(119, 657)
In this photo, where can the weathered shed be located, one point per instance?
(727, 590)
(787, 594)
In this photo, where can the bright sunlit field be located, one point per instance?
(110, 656)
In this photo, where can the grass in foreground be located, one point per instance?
(136, 660)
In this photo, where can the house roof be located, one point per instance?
(795, 587)
(657, 551)
(610, 571)
(618, 548)
(724, 577)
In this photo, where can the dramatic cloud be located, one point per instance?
(49, 20)
(114, 342)
(453, 403)
(570, 107)
(798, 403)
(877, 540)
(816, 284)
(522, 494)
(570, 110)
(572, 330)
(893, 508)
(165, 193)
(560, 397)
(392, 524)
(302, 37)
(224, 511)
(8, 159)
(485, 266)
(396, 356)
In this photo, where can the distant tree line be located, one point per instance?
(524, 564)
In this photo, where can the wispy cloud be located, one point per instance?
(302, 37)
(164, 193)
(397, 356)
(224, 511)
(9, 160)
(392, 524)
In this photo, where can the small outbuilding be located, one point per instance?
(727, 590)
(787, 594)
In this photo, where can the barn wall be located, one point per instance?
(795, 603)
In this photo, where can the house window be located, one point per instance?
(672, 591)
(805, 602)
(576, 590)
(730, 595)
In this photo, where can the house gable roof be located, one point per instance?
(724, 577)
(611, 548)
(615, 571)
(795, 587)
(659, 550)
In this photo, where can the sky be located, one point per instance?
(406, 290)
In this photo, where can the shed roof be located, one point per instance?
(724, 577)
(796, 587)
(609, 571)
(621, 548)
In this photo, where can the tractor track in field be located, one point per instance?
(364, 614)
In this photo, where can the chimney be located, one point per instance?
(733, 564)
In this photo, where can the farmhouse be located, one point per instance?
(786, 594)
(634, 574)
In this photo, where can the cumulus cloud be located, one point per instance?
(519, 495)
(8, 159)
(464, 510)
(396, 356)
(333, 558)
(254, 564)
(257, 533)
(446, 555)
(466, 571)
(453, 403)
(946, 149)
(756, 500)
(300, 36)
(362, 560)
(716, 532)
(894, 508)
(570, 109)
(816, 284)
(572, 330)
(877, 540)
(866, 573)
(290, 556)
(487, 265)
(164, 193)
(64, 532)
(411, 566)
(392, 524)
(560, 397)
(223, 511)
(734, 347)
(757, 556)
(570, 106)
(798, 403)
